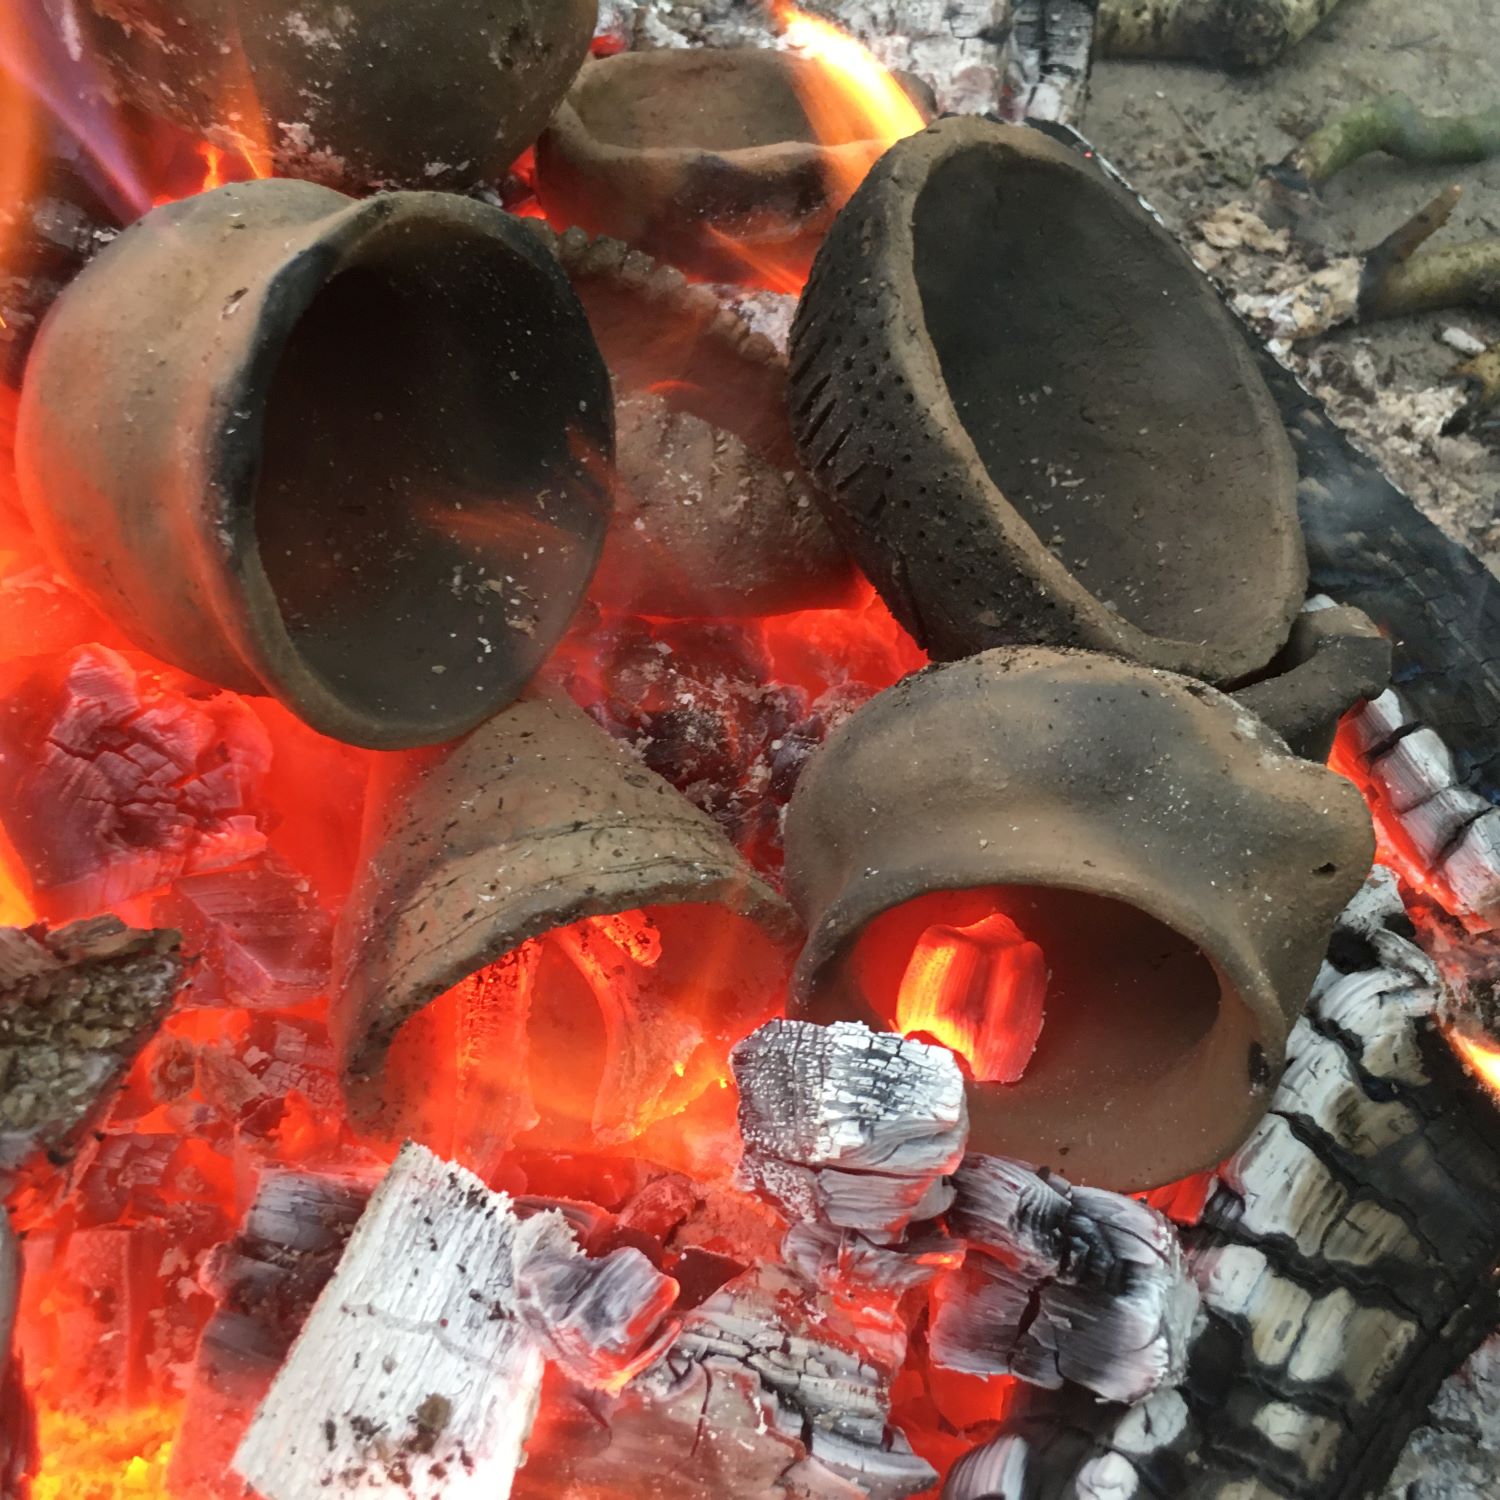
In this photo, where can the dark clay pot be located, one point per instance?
(713, 514)
(1032, 419)
(1179, 869)
(352, 455)
(534, 821)
(672, 151)
(355, 94)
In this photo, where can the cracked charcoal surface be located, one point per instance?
(76, 1006)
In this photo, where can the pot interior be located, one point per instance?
(1064, 328)
(425, 513)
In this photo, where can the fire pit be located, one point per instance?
(619, 885)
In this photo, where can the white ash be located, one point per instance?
(1062, 1283)
(957, 46)
(849, 1127)
(1452, 1457)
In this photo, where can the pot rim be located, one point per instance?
(911, 350)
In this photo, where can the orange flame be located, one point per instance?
(850, 97)
(1482, 1059)
(979, 990)
(117, 1457)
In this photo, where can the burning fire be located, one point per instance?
(1482, 1059)
(850, 97)
(979, 990)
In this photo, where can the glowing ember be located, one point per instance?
(1482, 1059)
(120, 1457)
(979, 990)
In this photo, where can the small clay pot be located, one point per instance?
(676, 151)
(1033, 421)
(1179, 869)
(1335, 658)
(713, 514)
(352, 455)
(536, 820)
(362, 95)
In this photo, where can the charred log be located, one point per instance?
(76, 1006)
(1062, 1283)
(772, 1389)
(1051, 53)
(1345, 1264)
(853, 1128)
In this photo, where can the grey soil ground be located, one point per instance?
(1192, 139)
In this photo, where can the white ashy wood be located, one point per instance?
(849, 1127)
(413, 1376)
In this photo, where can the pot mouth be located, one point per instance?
(594, 1027)
(729, 102)
(1106, 1039)
(1048, 305)
(417, 479)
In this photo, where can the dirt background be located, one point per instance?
(1193, 139)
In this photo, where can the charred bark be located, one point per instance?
(77, 1004)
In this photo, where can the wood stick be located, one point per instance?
(1225, 33)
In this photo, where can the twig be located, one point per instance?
(1227, 33)
(1480, 380)
(1394, 125)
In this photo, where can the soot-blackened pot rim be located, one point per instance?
(890, 199)
(258, 631)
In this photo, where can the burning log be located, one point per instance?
(419, 1366)
(1225, 33)
(721, 161)
(1345, 1262)
(535, 823)
(848, 1127)
(76, 1006)
(115, 783)
(266, 1281)
(407, 594)
(895, 839)
(1412, 777)
(892, 327)
(1062, 1283)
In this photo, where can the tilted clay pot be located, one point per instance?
(355, 94)
(713, 514)
(536, 820)
(353, 455)
(1033, 421)
(1335, 658)
(1178, 868)
(678, 151)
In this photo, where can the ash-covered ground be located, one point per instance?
(1192, 140)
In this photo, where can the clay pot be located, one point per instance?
(371, 94)
(536, 820)
(1033, 421)
(353, 455)
(677, 151)
(1179, 870)
(713, 514)
(1335, 658)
